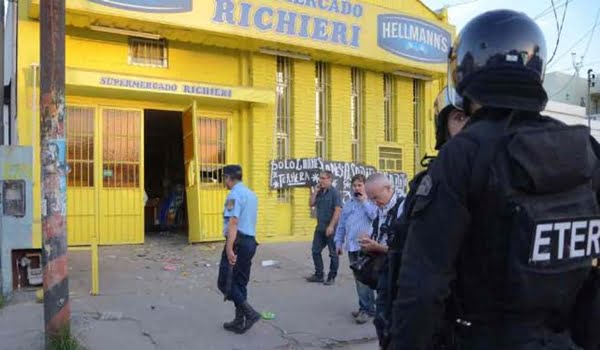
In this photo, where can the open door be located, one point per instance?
(192, 180)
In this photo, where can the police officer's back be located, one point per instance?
(508, 211)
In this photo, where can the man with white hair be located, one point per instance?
(381, 192)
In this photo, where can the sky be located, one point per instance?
(581, 17)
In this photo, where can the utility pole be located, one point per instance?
(591, 83)
(57, 309)
(2, 53)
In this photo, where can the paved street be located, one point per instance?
(144, 304)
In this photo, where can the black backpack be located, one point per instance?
(531, 245)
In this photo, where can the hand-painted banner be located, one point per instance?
(304, 172)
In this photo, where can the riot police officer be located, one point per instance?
(507, 210)
(449, 121)
(239, 216)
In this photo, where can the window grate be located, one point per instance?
(284, 121)
(390, 159)
(148, 52)
(356, 112)
(80, 146)
(322, 109)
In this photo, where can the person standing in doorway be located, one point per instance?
(236, 260)
(328, 205)
(357, 219)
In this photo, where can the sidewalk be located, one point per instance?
(145, 305)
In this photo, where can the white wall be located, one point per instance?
(571, 115)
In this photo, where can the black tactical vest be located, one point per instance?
(535, 222)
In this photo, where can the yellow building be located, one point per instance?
(175, 89)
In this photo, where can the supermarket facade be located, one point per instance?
(161, 94)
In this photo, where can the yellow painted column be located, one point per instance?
(340, 148)
(28, 107)
(405, 123)
(303, 141)
(261, 143)
(374, 121)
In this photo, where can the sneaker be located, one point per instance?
(315, 278)
(330, 281)
(362, 317)
(355, 313)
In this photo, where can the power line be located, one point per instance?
(585, 35)
(549, 10)
(569, 68)
(592, 35)
(559, 28)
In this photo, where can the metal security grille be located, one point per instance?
(284, 103)
(80, 146)
(322, 109)
(356, 113)
(212, 146)
(390, 159)
(121, 148)
(284, 121)
(389, 107)
(417, 108)
(148, 52)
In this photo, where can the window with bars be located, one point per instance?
(389, 107)
(390, 159)
(356, 113)
(80, 146)
(322, 109)
(417, 108)
(148, 52)
(283, 117)
(212, 145)
(284, 104)
(121, 148)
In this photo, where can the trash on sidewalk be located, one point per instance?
(267, 315)
(169, 267)
(266, 263)
(110, 316)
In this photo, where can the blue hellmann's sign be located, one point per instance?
(413, 38)
(149, 5)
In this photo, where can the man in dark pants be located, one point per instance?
(503, 210)
(240, 229)
(328, 205)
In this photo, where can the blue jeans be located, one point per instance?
(320, 241)
(245, 248)
(366, 296)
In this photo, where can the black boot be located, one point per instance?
(251, 318)
(237, 322)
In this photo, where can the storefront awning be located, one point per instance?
(130, 86)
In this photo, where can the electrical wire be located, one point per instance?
(583, 37)
(559, 28)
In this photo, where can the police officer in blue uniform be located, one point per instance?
(507, 212)
(239, 216)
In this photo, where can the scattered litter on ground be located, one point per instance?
(266, 263)
(267, 315)
(169, 267)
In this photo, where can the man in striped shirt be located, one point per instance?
(356, 220)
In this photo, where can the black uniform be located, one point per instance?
(508, 211)
(472, 250)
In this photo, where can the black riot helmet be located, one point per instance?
(499, 60)
(442, 106)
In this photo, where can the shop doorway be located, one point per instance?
(165, 209)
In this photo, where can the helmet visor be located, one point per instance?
(453, 97)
